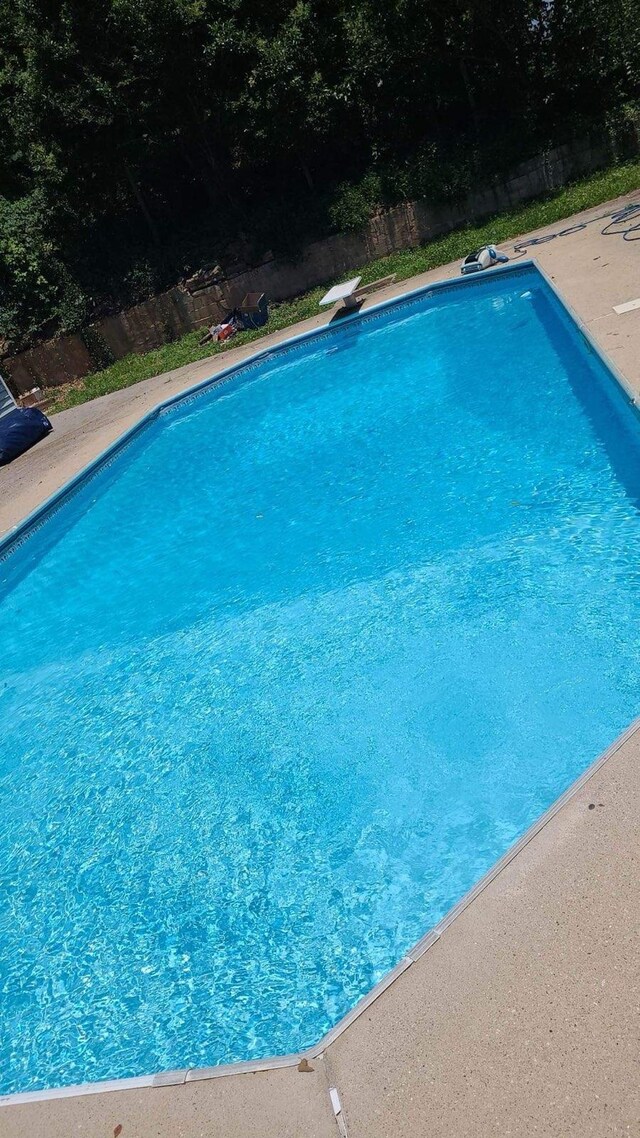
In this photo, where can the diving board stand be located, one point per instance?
(351, 293)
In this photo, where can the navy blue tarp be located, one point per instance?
(19, 430)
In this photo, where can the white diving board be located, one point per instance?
(345, 292)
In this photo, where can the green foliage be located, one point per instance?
(144, 138)
(35, 284)
(406, 263)
(99, 351)
(354, 203)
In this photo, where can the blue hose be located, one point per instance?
(618, 217)
(623, 215)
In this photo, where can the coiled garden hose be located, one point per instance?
(628, 213)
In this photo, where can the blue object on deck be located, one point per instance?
(20, 430)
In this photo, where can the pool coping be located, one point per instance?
(33, 521)
(582, 328)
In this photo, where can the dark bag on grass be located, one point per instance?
(19, 430)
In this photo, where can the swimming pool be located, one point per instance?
(286, 676)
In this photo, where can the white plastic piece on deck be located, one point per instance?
(629, 306)
(337, 1110)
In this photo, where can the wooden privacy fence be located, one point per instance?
(171, 314)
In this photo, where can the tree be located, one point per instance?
(142, 136)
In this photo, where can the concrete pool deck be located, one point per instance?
(524, 1017)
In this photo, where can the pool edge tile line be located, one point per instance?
(181, 1076)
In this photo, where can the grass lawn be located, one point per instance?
(407, 263)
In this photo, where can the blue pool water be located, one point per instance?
(281, 682)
